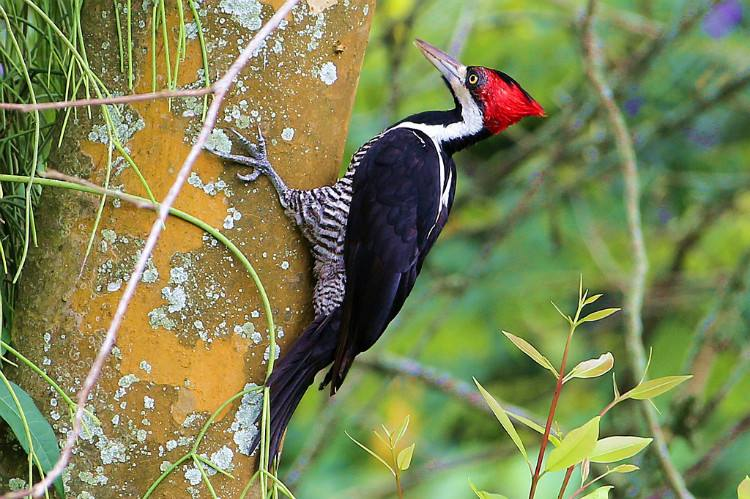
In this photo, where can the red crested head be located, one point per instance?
(501, 98)
(489, 100)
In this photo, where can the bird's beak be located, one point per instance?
(452, 70)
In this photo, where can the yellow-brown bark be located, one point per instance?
(195, 333)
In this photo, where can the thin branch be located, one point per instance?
(396, 37)
(725, 301)
(381, 489)
(463, 29)
(628, 20)
(739, 372)
(593, 61)
(719, 447)
(439, 380)
(135, 201)
(640, 62)
(715, 452)
(326, 421)
(122, 99)
(220, 89)
(637, 64)
(329, 417)
(703, 103)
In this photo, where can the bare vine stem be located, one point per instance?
(219, 90)
(122, 99)
(593, 62)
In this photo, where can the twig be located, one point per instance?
(326, 420)
(712, 211)
(441, 381)
(636, 65)
(739, 371)
(220, 89)
(396, 38)
(137, 202)
(463, 29)
(641, 61)
(122, 99)
(329, 417)
(635, 293)
(525, 204)
(719, 447)
(725, 301)
(628, 20)
(396, 366)
(383, 490)
(707, 461)
(701, 103)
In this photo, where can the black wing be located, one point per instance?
(392, 225)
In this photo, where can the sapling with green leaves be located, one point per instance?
(397, 461)
(580, 446)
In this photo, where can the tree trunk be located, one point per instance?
(195, 334)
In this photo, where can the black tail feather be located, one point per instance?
(295, 372)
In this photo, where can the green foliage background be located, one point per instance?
(536, 208)
(539, 206)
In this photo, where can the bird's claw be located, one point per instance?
(256, 151)
(250, 177)
(257, 158)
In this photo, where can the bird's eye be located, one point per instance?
(473, 79)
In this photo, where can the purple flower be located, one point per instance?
(633, 105)
(665, 215)
(2, 71)
(722, 18)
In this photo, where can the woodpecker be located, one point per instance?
(371, 231)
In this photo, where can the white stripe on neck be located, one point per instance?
(471, 124)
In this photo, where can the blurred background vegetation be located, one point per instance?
(536, 208)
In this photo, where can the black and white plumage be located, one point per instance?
(371, 231)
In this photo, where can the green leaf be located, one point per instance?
(404, 458)
(43, 437)
(372, 453)
(655, 387)
(564, 316)
(386, 441)
(532, 352)
(614, 386)
(534, 426)
(575, 447)
(585, 470)
(612, 449)
(401, 431)
(624, 468)
(743, 490)
(648, 364)
(386, 431)
(481, 494)
(592, 299)
(599, 315)
(600, 493)
(502, 416)
(592, 368)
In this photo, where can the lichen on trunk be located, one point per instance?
(195, 334)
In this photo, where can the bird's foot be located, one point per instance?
(257, 158)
